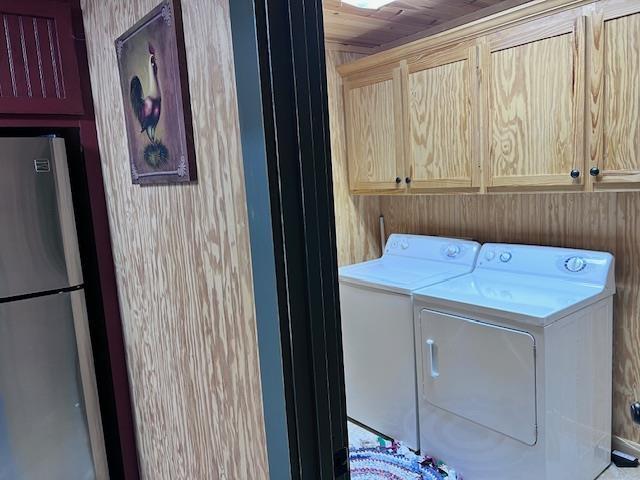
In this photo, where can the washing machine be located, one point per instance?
(377, 328)
(514, 364)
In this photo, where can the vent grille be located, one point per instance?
(42, 165)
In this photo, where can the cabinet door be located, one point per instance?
(440, 117)
(535, 95)
(39, 66)
(615, 94)
(373, 120)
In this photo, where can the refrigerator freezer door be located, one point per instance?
(48, 406)
(38, 244)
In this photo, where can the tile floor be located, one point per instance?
(360, 437)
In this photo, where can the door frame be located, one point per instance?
(284, 124)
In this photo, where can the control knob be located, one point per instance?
(505, 257)
(452, 251)
(575, 264)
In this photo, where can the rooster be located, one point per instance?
(147, 109)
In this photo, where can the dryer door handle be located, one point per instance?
(433, 358)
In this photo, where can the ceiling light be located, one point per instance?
(372, 4)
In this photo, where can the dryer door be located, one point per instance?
(481, 372)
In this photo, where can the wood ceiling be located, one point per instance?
(356, 29)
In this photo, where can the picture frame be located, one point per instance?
(157, 106)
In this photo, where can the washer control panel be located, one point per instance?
(432, 248)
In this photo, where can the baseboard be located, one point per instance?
(626, 446)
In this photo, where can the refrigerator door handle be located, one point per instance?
(65, 211)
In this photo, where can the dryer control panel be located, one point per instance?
(585, 266)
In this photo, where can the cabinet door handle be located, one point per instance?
(408, 179)
(398, 180)
(594, 172)
(433, 359)
(575, 173)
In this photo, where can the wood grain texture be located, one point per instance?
(622, 94)
(598, 221)
(613, 131)
(451, 24)
(374, 135)
(626, 372)
(440, 125)
(356, 216)
(358, 27)
(512, 17)
(594, 89)
(182, 263)
(532, 105)
(502, 112)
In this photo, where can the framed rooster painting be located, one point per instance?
(157, 108)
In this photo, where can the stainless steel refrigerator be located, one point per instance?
(50, 426)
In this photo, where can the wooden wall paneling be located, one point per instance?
(626, 366)
(183, 263)
(513, 17)
(437, 28)
(345, 47)
(357, 231)
(389, 24)
(441, 118)
(528, 146)
(615, 94)
(374, 127)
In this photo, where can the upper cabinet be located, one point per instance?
(441, 113)
(542, 97)
(615, 95)
(374, 129)
(38, 63)
(534, 107)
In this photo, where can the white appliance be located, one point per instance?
(514, 364)
(377, 328)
